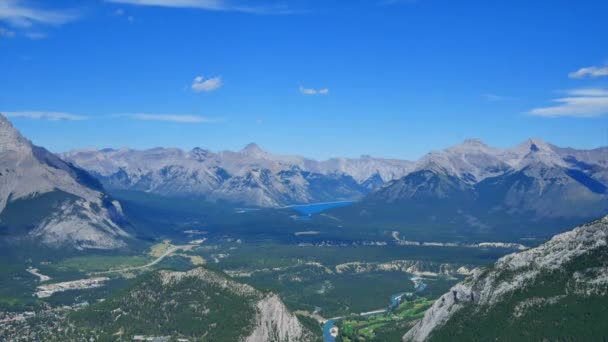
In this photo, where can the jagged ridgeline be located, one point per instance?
(199, 304)
(555, 292)
(251, 176)
(474, 191)
(47, 200)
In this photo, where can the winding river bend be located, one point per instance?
(395, 298)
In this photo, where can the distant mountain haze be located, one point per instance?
(250, 176)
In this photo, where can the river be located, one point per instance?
(419, 285)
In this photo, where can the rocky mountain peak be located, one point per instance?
(10, 138)
(537, 145)
(470, 145)
(532, 145)
(199, 154)
(539, 152)
(82, 218)
(474, 142)
(253, 150)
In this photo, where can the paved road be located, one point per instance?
(150, 264)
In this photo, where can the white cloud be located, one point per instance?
(5, 33)
(214, 5)
(52, 116)
(17, 13)
(209, 5)
(312, 91)
(61, 116)
(201, 84)
(588, 92)
(172, 118)
(592, 71)
(586, 102)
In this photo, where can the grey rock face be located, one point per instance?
(534, 177)
(489, 287)
(28, 171)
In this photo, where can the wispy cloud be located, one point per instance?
(588, 92)
(494, 97)
(122, 13)
(19, 13)
(586, 102)
(172, 118)
(6, 33)
(35, 35)
(312, 91)
(591, 71)
(211, 5)
(201, 84)
(52, 116)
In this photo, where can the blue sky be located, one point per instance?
(318, 78)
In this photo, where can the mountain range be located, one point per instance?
(468, 188)
(46, 199)
(533, 174)
(468, 191)
(554, 292)
(533, 190)
(250, 177)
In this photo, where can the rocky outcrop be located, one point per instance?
(275, 323)
(415, 267)
(171, 278)
(489, 287)
(193, 305)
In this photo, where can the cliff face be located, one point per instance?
(274, 322)
(561, 274)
